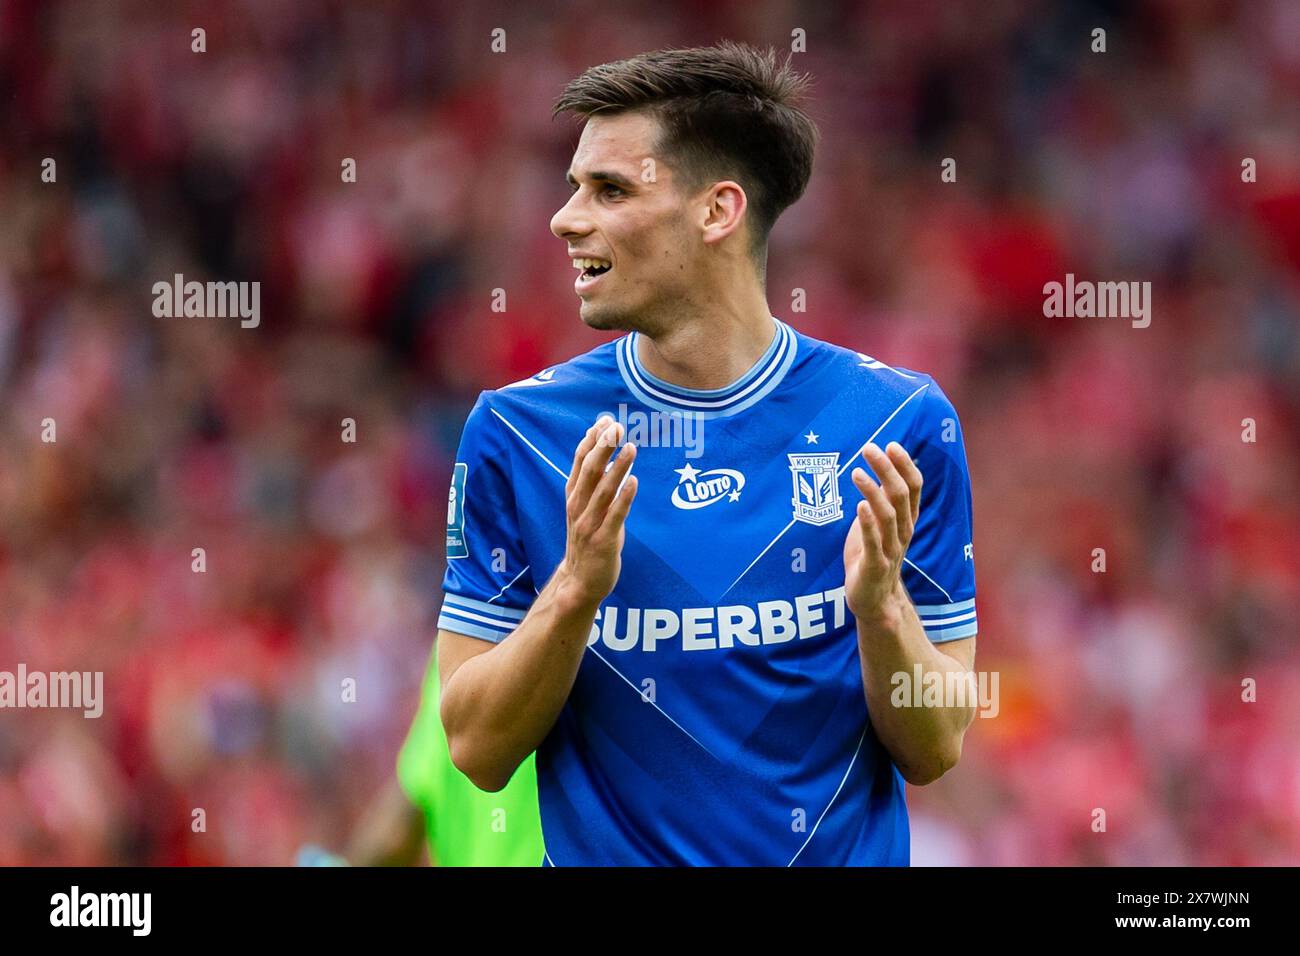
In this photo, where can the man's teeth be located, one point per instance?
(586, 264)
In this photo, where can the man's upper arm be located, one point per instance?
(963, 651)
(455, 649)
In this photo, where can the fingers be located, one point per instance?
(591, 466)
(900, 480)
(609, 483)
(584, 446)
(622, 505)
(599, 494)
(872, 546)
(910, 473)
(877, 517)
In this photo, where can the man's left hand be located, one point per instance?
(878, 539)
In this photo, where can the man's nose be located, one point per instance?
(571, 220)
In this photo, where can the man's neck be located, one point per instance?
(709, 350)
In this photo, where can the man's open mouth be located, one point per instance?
(592, 267)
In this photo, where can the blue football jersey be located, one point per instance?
(718, 716)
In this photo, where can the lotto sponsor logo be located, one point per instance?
(696, 489)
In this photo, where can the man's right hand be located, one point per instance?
(596, 509)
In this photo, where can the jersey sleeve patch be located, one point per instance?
(457, 545)
(488, 586)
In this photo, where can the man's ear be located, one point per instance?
(723, 210)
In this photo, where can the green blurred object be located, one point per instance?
(466, 826)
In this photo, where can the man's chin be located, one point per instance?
(603, 319)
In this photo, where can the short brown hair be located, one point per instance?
(727, 111)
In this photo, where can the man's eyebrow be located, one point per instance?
(601, 176)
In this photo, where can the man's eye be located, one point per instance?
(609, 189)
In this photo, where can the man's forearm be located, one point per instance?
(498, 706)
(923, 741)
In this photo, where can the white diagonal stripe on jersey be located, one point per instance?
(881, 428)
(562, 474)
(928, 578)
(654, 704)
(511, 584)
(836, 794)
(759, 558)
(782, 532)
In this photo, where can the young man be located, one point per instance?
(705, 676)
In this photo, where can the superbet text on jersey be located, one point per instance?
(718, 716)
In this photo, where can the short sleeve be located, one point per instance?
(487, 589)
(939, 568)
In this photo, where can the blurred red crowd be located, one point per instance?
(225, 738)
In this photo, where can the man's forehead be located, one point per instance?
(619, 143)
